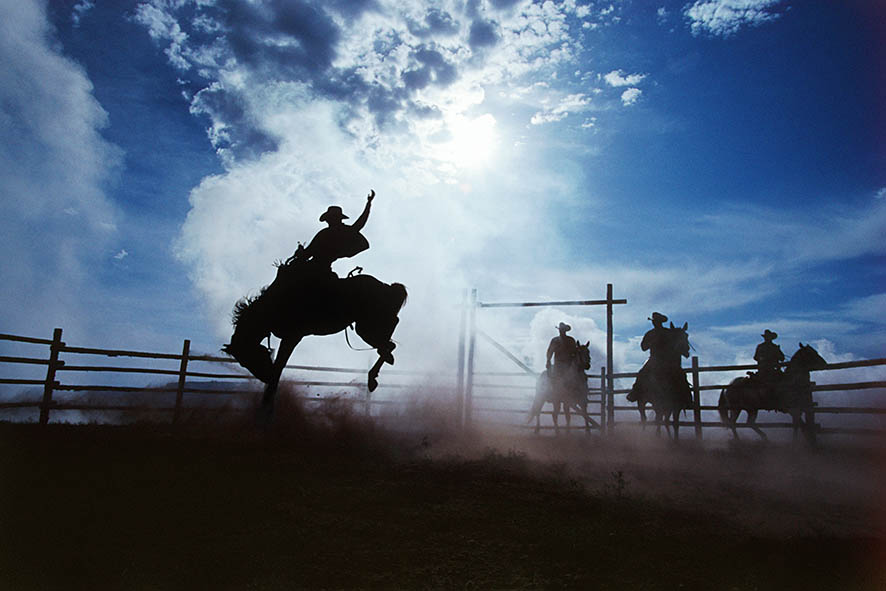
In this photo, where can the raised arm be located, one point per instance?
(361, 221)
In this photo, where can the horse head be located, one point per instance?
(680, 340)
(807, 359)
(583, 356)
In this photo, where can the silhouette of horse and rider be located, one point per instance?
(563, 383)
(308, 298)
(661, 381)
(771, 389)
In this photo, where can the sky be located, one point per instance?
(720, 161)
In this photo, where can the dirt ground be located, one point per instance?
(340, 503)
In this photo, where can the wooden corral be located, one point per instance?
(496, 398)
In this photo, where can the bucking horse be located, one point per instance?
(300, 303)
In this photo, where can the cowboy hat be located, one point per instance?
(769, 335)
(656, 317)
(564, 327)
(333, 212)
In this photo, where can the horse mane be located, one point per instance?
(246, 307)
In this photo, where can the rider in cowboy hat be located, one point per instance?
(768, 357)
(656, 338)
(562, 348)
(656, 341)
(338, 240)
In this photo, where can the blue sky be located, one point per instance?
(721, 161)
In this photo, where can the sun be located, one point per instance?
(472, 141)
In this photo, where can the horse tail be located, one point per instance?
(400, 294)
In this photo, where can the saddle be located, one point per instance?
(770, 387)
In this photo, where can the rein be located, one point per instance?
(348, 340)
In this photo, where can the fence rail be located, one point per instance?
(514, 400)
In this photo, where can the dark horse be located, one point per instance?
(292, 309)
(790, 393)
(569, 391)
(662, 382)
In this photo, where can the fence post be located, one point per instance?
(472, 340)
(604, 423)
(367, 404)
(810, 418)
(696, 397)
(182, 376)
(610, 382)
(49, 385)
(460, 383)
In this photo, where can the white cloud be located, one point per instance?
(80, 9)
(725, 17)
(630, 96)
(573, 103)
(850, 231)
(55, 218)
(881, 193)
(870, 309)
(121, 255)
(618, 78)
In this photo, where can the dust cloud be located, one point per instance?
(776, 489)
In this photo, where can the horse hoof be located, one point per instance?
(372, 385)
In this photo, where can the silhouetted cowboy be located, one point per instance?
(769, 357)
(657, 341)
(338, 240)
(563, 349)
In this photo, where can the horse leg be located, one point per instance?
(798, 424)
(809, 422)
(732, 421)
(583, 411)
(378, 335)
(675, 419)
(567, 411)
(287, 346)
(641, 406)
(752, 423)
(554, 412)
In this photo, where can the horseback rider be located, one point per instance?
(336, 241)
(769, 357)
(657, 341)
(563, 350)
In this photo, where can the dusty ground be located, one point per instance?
(341, 504)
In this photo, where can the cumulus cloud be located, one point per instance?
(55, 218)
(80, 9)
(619, 78)
(396, 98)
(408, 65)
(630, 96)
(726, 17)
(573, 103)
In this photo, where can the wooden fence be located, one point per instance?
(185, 381)
(496, 394)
